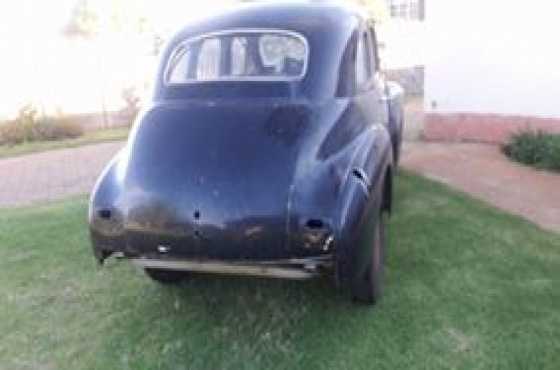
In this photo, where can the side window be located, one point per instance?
(363, 62)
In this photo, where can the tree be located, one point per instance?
(377, 9)
(90, 18)
(83, 22)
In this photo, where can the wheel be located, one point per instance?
(397, 146)
(396, 153)
(368, 288)
(166, 276)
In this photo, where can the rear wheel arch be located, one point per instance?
(367, 190)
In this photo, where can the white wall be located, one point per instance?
(404, 43)
(493, 56)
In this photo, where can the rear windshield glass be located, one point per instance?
(239, 56)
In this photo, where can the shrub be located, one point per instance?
(538, 149)
(59, 128)
(132, 99)
(29, 127)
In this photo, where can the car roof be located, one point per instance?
(328, 27)
(302, 16)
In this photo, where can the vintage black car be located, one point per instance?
(268, 149)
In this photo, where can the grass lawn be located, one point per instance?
(467, 287)
(91, 137)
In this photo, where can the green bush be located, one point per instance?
(538, 149)
(29, 127)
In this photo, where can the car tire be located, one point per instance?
(396, 153)
(166, 276)
(368, 288)
(397, 148)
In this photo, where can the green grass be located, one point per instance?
(92, 137)
(467, 287)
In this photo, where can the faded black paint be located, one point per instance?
(236, 170)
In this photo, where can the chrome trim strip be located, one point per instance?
(307, 267)
(237, 31)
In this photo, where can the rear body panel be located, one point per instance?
(253, 172)
(231, 180)
(213, 181)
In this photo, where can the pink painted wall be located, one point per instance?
(478, 127)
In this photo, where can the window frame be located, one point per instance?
(170, 63)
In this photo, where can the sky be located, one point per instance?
(37, 64)
(26, 28)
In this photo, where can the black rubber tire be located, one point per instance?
(397, 146)
(396, 155)
(369, 288)
(166, 276)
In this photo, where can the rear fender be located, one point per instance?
(104, 216)
(358, 209)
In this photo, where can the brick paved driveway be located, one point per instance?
(54, 174)
(487, 174)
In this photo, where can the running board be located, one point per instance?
(302, 269)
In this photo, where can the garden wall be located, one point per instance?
(486, 128)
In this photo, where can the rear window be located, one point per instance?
(245, 55)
